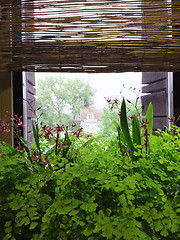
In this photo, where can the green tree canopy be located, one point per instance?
(61, 100)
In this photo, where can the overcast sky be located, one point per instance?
(104, 84)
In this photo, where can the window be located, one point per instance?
(90, 116)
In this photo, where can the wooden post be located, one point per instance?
(176, 96)
(6, 101)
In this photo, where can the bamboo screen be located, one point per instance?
(90, 35)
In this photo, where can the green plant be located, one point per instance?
(93, 191)
(100, 196)
(140, 133)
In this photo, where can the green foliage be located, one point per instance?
(136, 131)
(60, 100)
(107, 128)
(100, 195)
(149, 118)
(124, 127)
(71, 187)
(36, 137)
(111, 114)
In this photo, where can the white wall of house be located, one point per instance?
(90, 125)
(90, 118)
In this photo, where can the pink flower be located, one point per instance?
(4, 126)
(112, 102)
(144, 124)
(171, 120)
(34, 159)
(115, 101)
(47, 132)
(60, 145)
(112, 107)
(135, 115)
(46, 161)
(108, 100)
(17, 124)
(18, 120)
(78, 133)
(74, 124)
(58, 129)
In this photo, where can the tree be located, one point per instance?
(80, 95)
(107, 127)
(61, 100)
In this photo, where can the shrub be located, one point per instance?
(95, 191)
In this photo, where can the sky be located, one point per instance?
(104, 84)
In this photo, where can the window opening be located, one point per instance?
(81, 99)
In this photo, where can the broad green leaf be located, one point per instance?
(136, 132)
(116, 124)
(15, 206)
(164, 233)
(36, 138)
(25, 221)
(8, 230)
(149, 118)
(178, 210)
(8, 224)
(122, 198)
(124, 126)
(120, 133)
(92, 207)
(87, 232)
(73, 213)
(24, 144)
(167, 130)
(33, 225)
(130, 182)
(84, 206)
(8, 236)
(21, 214)
(158, 226)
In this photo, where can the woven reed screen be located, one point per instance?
(90, 35)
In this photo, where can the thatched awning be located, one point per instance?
(90, 35)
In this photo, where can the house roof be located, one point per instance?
(85, 111)
(90, 35)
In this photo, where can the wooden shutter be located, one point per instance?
(30, 92)
(155, 88)
(176, 96)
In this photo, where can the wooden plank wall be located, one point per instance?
(6, 99)
(31, 103)
(156, 88)
(176, 96)
(17, 88)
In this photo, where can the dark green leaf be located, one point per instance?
(124, 126)
(149, 118)
(136, 134)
